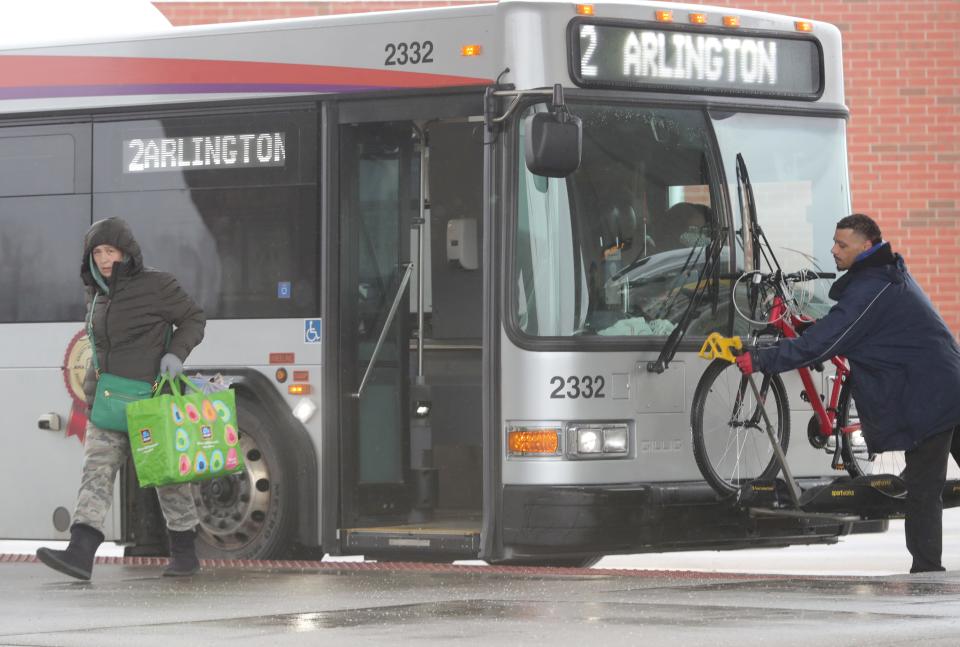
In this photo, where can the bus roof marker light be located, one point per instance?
(664, 15)
(731, 21)
(698, 18)
(470, 50)
(585, 10)
(803, 25)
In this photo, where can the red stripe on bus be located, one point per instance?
(39, 71)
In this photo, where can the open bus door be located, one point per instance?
(409, 349)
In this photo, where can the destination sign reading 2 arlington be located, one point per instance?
(145, 155)
(633, 56)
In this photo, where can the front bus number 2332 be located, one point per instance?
(577, 387)
(414, 53)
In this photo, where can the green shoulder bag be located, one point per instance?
(114, 393)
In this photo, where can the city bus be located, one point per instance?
(450, 258)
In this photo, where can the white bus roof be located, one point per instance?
(409, 49)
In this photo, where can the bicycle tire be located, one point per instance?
(857, 459)
(717, 428)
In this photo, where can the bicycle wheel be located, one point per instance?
(730, 441)
(857, 459)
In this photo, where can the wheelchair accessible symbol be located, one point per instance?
(311, 331)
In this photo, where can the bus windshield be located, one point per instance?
(799, 179)
(616, 248)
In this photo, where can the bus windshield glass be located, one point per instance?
(616, 248)
(797, 169)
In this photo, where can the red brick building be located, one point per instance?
(902, 75)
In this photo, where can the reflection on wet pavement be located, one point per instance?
(603, 614)
(134, 605)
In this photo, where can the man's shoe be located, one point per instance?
(927, 569)
(77, 560)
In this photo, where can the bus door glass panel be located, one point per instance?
(615, 249)
(44, 213)
(379, 192)
(800, 187)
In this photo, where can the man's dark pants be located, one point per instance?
(924, 475)
(955, 447)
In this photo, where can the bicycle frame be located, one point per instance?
(826, 413)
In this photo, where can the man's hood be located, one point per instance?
(883, 260)
(115, 232)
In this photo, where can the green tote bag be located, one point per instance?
(183, 438)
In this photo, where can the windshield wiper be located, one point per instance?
(709, 278)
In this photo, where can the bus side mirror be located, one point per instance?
(554, 140)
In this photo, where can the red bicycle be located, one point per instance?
(730, 414)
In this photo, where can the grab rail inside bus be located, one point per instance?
(404, 280)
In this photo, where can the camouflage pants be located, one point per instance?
(104, 452)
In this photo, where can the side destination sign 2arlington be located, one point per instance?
(618, 55)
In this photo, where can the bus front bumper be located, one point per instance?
(541, 521)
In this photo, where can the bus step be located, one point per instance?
(400, 541)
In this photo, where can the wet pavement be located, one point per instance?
(129, 603)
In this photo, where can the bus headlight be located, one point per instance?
(598, 440)
(615, 440)
(589, 441)
(568, 440)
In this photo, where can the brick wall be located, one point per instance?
(902, 75)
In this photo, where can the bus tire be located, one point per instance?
(250, 515)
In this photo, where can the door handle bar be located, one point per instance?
(404, 281)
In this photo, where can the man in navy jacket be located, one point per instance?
(905, 366)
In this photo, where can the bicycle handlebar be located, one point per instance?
(792, 277)
(806, 275)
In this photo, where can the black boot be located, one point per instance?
(77, 560)
(183, 554)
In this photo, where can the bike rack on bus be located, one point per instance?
(845, 499)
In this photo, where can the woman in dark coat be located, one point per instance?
(134, 310)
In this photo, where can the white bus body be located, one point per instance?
(274, 167)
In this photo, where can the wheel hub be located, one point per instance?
(233, 509)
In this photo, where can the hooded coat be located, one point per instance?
(904, 361)
(135, 308)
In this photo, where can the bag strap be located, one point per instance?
(189, 383)
(93, 343)
(166, 380)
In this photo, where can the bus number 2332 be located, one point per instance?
(577, 387)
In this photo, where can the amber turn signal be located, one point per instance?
(534, 441)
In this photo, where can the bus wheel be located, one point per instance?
(249, 515)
